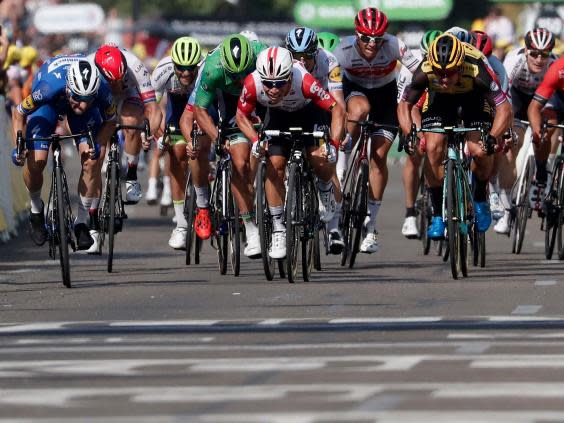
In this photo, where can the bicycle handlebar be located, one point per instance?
(293, 132)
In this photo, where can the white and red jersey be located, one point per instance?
(405, 75)
(382, 69)
(552, 82)
(305, 89)
(518, 73)
(137, 79)
(327, 70)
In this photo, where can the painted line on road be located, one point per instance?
(549, 282)
(526, 309)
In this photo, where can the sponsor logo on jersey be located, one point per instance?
(494, 86)
(28, 103)
(37, 95)
(335, 75)
(316, 89)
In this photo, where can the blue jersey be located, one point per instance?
(50, 87)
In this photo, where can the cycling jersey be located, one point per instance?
(327, 71)
(305, 89)
(552, 83)
(382, 69)
(136, 81)
(164, 80)
(520, 77)
(405, 75)
(50, 87)
(500, 73)
(214, 77)
(477, 77)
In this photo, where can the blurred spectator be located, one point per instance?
(500, 29)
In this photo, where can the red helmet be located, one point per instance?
(371, 21)
(111, 62)
(482, 42)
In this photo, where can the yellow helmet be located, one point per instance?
(28, 56)
(446, 53)
(13, 56)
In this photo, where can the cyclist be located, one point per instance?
(302, 44)
(369, 60)
(250, 35)
(457, 75)
(65, 86)
(328, 41)
(294, 99)
(175, 76)
(410, 174)
(224, 71)
(526, 68)
(130, 82)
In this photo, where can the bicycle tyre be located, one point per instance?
(424, 218)
(264, 222)
(317, 248)
(344, 223)
(112, 211)
(62, 229)
(453, 217)
(523, 207)
(359, 205)
(293, 214)
(220, 230)
(190, 214)
(234, 236)
(309, 231)
(553, 223)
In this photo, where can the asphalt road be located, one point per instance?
(394, 339)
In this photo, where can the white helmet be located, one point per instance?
(274, 63)
(83, 78)
(250, 35)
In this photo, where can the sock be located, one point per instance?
(179, 213)
(202, 197)
(36, 201)
(324, 185)
(249, 221)
(480, 190)
(334, 222)
(152, 184)
(504, 198)
(166, 183)
(132, 161)
(550, 162)
(83, 214)
(410, 212)
(277, 213)
(437, 200)
(373, 207)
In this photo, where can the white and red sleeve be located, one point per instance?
(312, 89)
(248, 98)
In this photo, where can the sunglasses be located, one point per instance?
(307, 56)
(275, 84)
(445, 74)
(82, 98)
(368, 39)
(190, 68)
(536, 53)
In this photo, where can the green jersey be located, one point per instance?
(214, 77)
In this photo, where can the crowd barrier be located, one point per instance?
(13, 195)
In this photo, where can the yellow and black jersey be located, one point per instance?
(476, 76)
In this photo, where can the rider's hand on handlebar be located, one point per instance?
(489, 145)
(18, 160)
(192, 152)
(258, 148)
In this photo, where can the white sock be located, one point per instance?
(202, 197)
(373, 207)
(550, 162)
(131, 158)
(277, 213)
(324, 185)
(83, 215)
(334, 222)
(179, 213)
(152, 184)
(250, 227)
(504, 197)
(166, 185)
(36, 201)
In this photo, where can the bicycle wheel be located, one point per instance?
(309, 231)
(264, 222)
(317, 247)
(234, 235)
(478, 247)
(62, 227)
(553, 218)
(112, 213)
(219, 223)
(344, 224)
(190, 214)
(359, 199)
(424, 217)
(453, 219)
(293, 219)
(523, 207)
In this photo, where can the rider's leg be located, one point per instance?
(358, 108)
(378, 178)
(132, 114)
(275, 194)
(154, 171)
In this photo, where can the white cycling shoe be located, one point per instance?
(178, 239)
(152, 194)
(278, 245)
(502, 225)
(95, 248)
(496, 207)
(252, 249)
(370, 243)
(133, 192)
(409, 228)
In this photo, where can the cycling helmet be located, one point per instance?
(428, 38)
(250, 35)
(539, 39)
(186, 51)
(446, 53)
(483, 42)
(236, 53)
(462, 34)
(83, 78)
(301, 40)
(371, 21)
(274, 63)
(328, 41)
(111, 62)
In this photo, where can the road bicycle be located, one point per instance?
(193, 242)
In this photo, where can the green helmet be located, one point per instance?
(327, 40)
(428, 38)
(186, 51)
(236, 53)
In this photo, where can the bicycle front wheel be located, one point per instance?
(62, 228)
(310, 227)
(454, 219)
(234, 236)
(112, 211)
(359, 204)
(264, 222)
(553, 215)
(424, 217)
(293, 220)
(523, 208)
(190, 214)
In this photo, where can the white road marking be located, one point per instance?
(526, 309)
(546, 282)
(268, 322)
(32, 327)
(422, 319)
(150, 323)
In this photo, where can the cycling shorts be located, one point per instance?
(446, 110)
